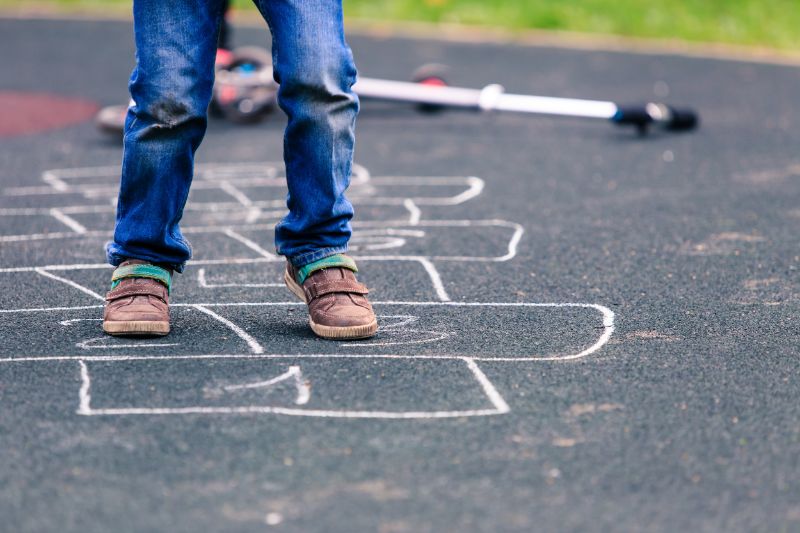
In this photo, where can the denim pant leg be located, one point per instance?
(170, 87)
(315, 69)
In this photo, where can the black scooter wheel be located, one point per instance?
(434, 76)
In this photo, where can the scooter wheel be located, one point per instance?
(252, 54)
(111, 119)
(434, 76)
(244, 91)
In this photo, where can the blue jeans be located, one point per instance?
(171, 86)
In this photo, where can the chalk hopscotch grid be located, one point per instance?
(231, 179)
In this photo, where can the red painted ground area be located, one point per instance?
(23, 113)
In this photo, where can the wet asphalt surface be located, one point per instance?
(687, 418)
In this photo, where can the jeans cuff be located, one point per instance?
(299, 261)
(115, 256)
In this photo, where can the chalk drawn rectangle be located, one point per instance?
(417, 330)
(344, 388)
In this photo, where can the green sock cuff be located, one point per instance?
(142, 271)
(338, 260)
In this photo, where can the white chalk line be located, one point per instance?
(394, 326)
(513, 243)
(414, 212)
(253, 212)
(248, 243)
(436, 279)
(474, 185)
(439, 337)
(294, 373)
(252, 343)
(375, 242)
(476, 188)
(500, 406)
(401, 327)
(390, 232)
(84, 397)
(488, 387)
(430, 269)
(68, 221)
(74, 320)
(288, 411)
(92, 344)
(52, 179)
(229, 189)
(405, 321)
(45, 273)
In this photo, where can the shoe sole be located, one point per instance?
(136, 328)
(331, 332)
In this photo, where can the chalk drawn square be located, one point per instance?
(345, 388)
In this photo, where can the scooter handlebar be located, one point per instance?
(682, 119)
(667, 117)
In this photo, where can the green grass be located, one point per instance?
(771, 23)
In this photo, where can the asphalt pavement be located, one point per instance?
(582, 329)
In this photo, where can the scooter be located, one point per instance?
(245, 92)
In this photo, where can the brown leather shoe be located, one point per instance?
(337, 303)
(138, 303)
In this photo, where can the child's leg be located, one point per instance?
(171, 85)
(315, 69)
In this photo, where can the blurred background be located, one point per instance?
(770, 23)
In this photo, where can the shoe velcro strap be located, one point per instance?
(339, 285)
(157, 273)
(332, 261)
(138, 289)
